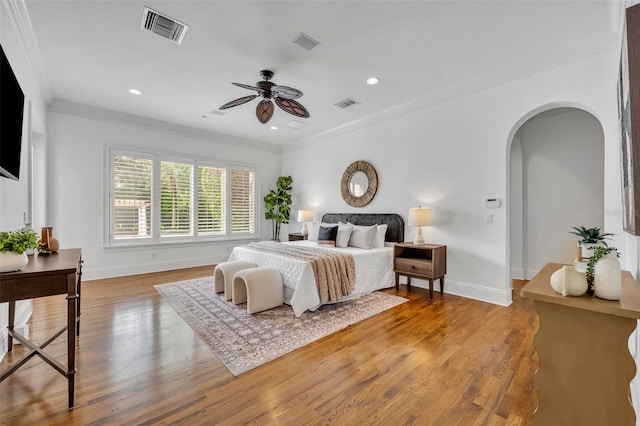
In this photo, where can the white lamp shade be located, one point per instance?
(419, 216)
(305, 216)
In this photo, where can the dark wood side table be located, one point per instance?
(585, 363)
(296, 236)
(58, 273)
(425, 261)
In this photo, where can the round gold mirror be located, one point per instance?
(359, 184)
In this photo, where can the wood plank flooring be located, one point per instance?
(446, 361)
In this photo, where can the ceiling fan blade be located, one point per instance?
(239, 101)
(292, 107)
(264, 111)
(246, 86)
(286, 92)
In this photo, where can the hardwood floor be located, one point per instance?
(446, 361)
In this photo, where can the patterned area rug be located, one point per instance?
(242, 341)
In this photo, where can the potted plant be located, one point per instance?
(591, 237)
(610, 273)
(277, 204)
(13, 248)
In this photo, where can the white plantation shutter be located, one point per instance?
(242, 201)
(176, 200)
(132, 197)
(155, 199)
(212, 188)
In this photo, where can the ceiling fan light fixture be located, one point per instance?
(282, 95)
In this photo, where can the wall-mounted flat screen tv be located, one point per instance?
(11, 114)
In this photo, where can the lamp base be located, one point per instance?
(304, 231)
(418, 240)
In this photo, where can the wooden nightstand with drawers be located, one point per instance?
(296, 237)
(424, 261)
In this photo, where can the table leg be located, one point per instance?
(430, 288)
(397, 281)
(72, 318)
(442, 284)
(12, 315)
(78, 304)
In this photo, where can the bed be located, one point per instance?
(373, 267)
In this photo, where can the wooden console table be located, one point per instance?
(585, 364)
(58, 273)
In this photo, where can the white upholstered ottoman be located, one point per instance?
(223, 276)
(260, 287)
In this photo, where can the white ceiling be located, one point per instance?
(423, 52)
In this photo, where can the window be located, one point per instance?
(242, 201)
(155, 199)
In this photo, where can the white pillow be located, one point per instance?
(344, 233)
(379, 241)
(363, 236)
(314, 228)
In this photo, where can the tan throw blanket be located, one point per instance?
(335, 273)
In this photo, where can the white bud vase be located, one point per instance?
(10, 261)
(607, 278)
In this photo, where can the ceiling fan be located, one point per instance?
(283, 96)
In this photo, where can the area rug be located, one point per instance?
(242, 341)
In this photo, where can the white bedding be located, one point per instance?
(374, 270)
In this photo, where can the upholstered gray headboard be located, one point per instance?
(394, 222)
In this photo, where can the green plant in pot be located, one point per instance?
(277, 204)
(13, 248)
(590, 237)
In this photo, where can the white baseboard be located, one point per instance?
(23, 313)
(471, 291)
(89, 273)
(517, 273)
(530, 273)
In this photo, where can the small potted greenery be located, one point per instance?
(591, 237)
(13, 248)
(277, 205)
(598, 253)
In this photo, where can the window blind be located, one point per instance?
(176, 200)
(212, 188)
(132, 197)
(242, 201)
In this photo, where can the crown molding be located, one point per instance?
(15, 14)
(71, 108)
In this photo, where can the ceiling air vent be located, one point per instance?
(163, 25)
(346, 103)
(305, 41)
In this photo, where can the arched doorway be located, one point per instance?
(556, 180)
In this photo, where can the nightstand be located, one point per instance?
(424, 261)
(296, 236)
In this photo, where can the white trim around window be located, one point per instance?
(154, 198)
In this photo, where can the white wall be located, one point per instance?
(516, 212)
(17, 43)
(453, 155)
(77, 182)
(563, 184)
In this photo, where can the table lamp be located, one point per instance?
(419, 216)
(305, 216)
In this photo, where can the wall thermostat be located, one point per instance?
(492, 203)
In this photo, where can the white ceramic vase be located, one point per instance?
(569, 282)
(10, 261)
(607, 277)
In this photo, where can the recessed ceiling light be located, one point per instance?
(373, 80)
(273, 128)
(135, 92)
